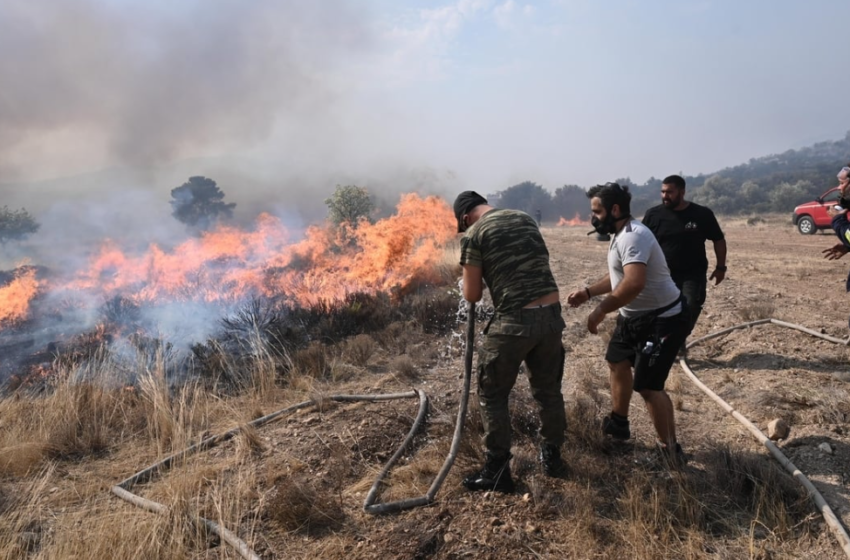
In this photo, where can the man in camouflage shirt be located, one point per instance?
(505, 249)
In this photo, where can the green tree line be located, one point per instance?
(774, 183)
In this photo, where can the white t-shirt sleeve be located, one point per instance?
(635, 248)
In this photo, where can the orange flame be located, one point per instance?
(382, 256)
(575, 221)
(16, 296)
(229, 264)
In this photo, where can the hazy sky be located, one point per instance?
(488, 93)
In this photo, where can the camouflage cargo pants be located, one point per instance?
(533, 336)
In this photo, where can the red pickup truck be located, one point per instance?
(809, 217)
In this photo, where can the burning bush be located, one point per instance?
(277, 296)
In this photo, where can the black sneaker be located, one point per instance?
(495, 475)
(550, 458)
(617, 429)
(677, 460)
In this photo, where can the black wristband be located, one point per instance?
(720, 268)
(587, 291)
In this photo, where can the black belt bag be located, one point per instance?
(640, 326)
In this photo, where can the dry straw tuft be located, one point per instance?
(300, 504)
(404, 367)
(359, 350)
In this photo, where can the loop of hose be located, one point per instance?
(829, 516)
(122, 489)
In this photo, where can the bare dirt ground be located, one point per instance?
(294, 489)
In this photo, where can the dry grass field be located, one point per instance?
(295, 487)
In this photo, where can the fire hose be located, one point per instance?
(122, 489)
(829, 516)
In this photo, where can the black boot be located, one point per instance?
(550, 458)
(616, 426)
(495, 475)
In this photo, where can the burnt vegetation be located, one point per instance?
(273, 330)
(294, 336)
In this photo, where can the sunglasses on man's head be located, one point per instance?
(844, 170)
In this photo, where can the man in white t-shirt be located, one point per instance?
(652, 323)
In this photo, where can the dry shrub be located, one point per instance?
(69, 421)
(342, 371)
(833, 408)
(185, 484)
(338, 465)
(583, 425)
(427, 355)
(738, 497)
(232, 497)
(85, 418)
(357, 313)
(313, 361)
(396, 337)
(575, 504)
(300, 384)
(756, 310)
(264, 367)
(300, 504)
(767, 493)
(655, 516)
(359, 350)
(404, 367)
(212, 362)
(20, 460)
(173, 418)
(22, 524)
(124, 532)
(434, 311)
(414, 479)
(249, 443)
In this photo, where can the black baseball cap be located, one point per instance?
(464, 203)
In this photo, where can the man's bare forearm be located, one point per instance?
(720, 252)
(619, 298)
(600, 287)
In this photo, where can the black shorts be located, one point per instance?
(651, 345)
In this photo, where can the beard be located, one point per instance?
(671, 202)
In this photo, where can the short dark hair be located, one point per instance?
(611, 194)
(675, 180)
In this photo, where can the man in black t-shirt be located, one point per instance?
(682, 228)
